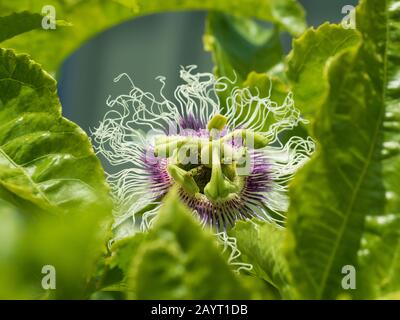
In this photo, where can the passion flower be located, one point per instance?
(227, 159)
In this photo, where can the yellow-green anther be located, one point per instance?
(183, 178)
(217, 122)
(219, 187)
(230, 154)
(240, 133)
(249, 137)
(165, 150)
(168, 139)
(229, 170)
(259, 140)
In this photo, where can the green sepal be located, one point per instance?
(217, 122)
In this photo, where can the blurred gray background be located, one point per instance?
(145, 48)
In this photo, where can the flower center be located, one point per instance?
(201, 175)
(214, 166)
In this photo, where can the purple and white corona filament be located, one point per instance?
(227, 162)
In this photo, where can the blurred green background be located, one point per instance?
(145, 48)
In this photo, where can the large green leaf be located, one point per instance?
(287, 13)
(343, 183)
(71, 244)
(10, 229)
(46, 161)
(261, 245)
(20, 22)
(88, 17)
(17, 23)
(380, 252)
(240, 46)
(308, 59)
(181, 261)
(380, 256)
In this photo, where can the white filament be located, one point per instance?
(230, 243)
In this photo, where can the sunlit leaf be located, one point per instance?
(380, 251)
(71, 244)
(50, 47)
(46, 161)
(308, 61)
(343, 184)
(179, 260)
(240, 46)
(261, 245)
(380, 256)
(17, 23)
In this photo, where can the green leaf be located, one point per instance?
(343, 183)
(71, 244)
(391, 296)
(287, 13)
(391, 152)
(50, 47)
(261, 245)
(17, 23)
(267, 85)
(10, 229)
(159, 272)
(240, 46)
(381, 246)
(380, 256)
(124, 249)
(179, 260)
(46, 162)
(21, 22)
(309, 59)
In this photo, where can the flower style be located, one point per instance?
(227, 159)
